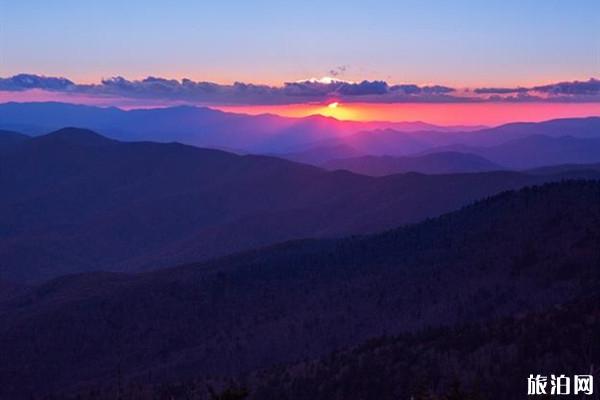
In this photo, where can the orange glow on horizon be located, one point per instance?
(336, 110)
(436, 113)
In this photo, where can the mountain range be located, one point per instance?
(190, 254)
(314, 139)
(76, 201)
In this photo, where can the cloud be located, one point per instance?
(363, 88)
(309, 88)
(29, 81)
(307, 91)
(313, 90)
(590, 87)
(500, 90)
(428, 90)
(573, 91)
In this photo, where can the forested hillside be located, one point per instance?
(514, 253)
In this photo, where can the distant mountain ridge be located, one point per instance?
(535, 151)
(73, 137)
(272, 134)
(515, 146)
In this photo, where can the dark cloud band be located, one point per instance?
(298, 92)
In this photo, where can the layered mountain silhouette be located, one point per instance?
(75, 201)
(198, 126)
(434, 163)
(296, 138)
(508, 255)
(292, 258)
(513, 146)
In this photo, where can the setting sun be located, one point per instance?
(335, 104)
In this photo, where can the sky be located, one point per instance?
(457, 44)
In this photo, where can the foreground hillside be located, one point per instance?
(478, 361)
(75, 201)
(486, 361)
(514, 253)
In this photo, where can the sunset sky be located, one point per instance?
(447, 49)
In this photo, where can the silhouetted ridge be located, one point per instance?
(75, 136)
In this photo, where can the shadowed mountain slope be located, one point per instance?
(490, 360)
(487, 361)
(513, 253)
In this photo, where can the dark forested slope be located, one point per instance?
(478, 361)
(513, 253)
